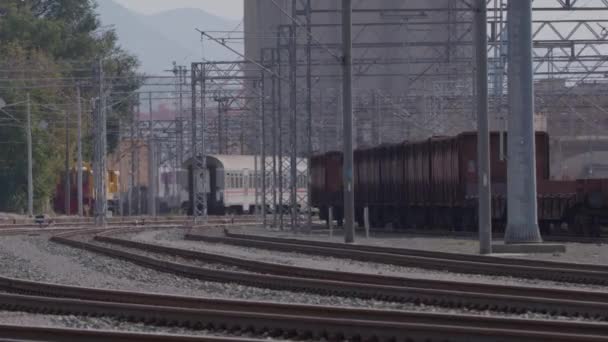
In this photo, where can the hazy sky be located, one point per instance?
(232, 9)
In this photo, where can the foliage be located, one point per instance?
(46, 46)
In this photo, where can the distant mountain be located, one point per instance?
(169, 36)
(181, 24)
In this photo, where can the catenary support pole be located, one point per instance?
(293, 123)
(274, 142)
(203, 155)
(262, 178)
(100, 169)
(522, 223)
(193, 146)
(68, 188)
(330, 221)
(132, 165)
(152, 165)
(347, 87)
(79, 152)
(256, 189)
(309, 113)
(366, 223)
(30, 176)
(137, 161)
(280, 133)
(180, 131)
(483, 133)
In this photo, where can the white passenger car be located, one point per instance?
(231, 182)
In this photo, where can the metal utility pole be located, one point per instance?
(132, 171)
(293, 133)
(280, 132)
(347, 104)
(255, 184)
(198, 177)
(220, 126)
(67, 184)
(262, 178)
(522, 220)
(309, 112)
(180, 126)
(119, 161)
(136, 162)
(100, 169)
(152, 167)
(483, 131)
(274, 143)
(79, 152)
(30, 177)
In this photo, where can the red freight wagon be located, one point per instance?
(317, 179)
(326, 187)
(433, 183)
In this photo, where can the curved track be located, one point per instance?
(286, 320)
(429, 292)
(461, 263)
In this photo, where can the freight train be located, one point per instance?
(432, 184)
(88, 192)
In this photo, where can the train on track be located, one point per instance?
(231, 182)
(88, 192)
(433, 184)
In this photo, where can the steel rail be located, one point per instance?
(144, 221)
(461, 263)
(453, 297)
(305, 320)
(425, 253)
(368, 278)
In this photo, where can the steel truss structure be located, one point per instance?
(294, 106)
(237, 96)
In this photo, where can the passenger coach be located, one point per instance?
(231, 182)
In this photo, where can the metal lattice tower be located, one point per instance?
(198, 152)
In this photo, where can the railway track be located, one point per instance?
(460, 263)
(443, 233)
(27, 333)
(126, 222)
(500, 298)
(273, 319)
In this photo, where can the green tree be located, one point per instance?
(47, 47)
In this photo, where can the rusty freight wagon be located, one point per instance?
(433, 184)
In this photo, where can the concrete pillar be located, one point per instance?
(522, 220)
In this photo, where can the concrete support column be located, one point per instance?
(522, 219)
(347, 87)
(483, 134)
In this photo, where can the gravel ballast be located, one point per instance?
(174, 238)
(106, 324)
(35, 258)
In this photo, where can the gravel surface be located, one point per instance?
(103, 323)
(174, 238)
(35, 258)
